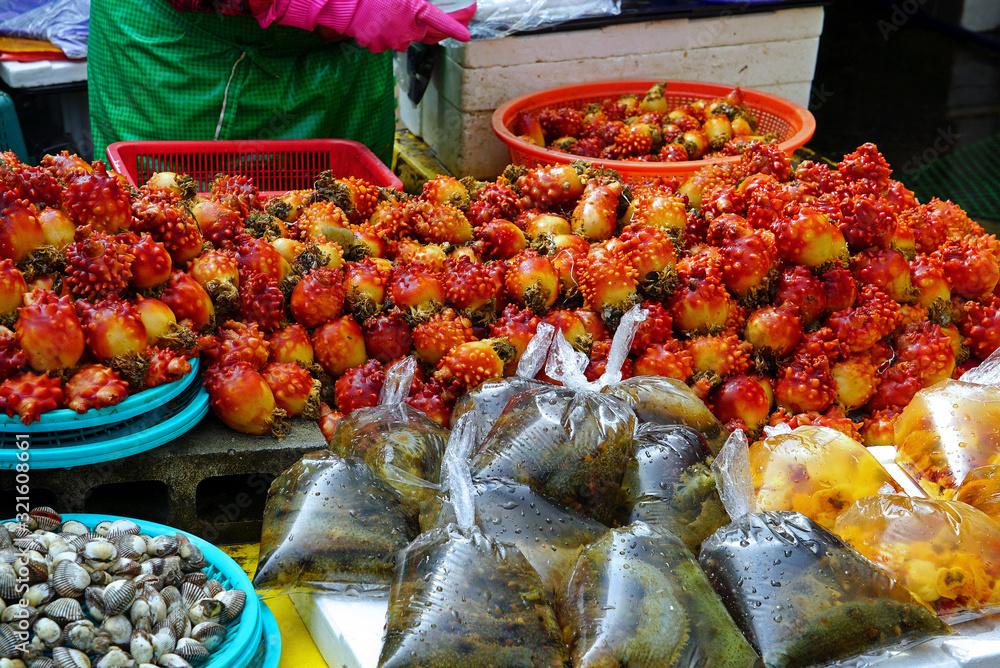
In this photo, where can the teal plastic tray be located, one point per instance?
(93, 445)
(245, 633)
(65, 419)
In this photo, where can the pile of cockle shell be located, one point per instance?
(110, 597)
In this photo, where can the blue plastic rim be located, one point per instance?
(271, 642)
(245, 633)
(136, 404)
(151, 430)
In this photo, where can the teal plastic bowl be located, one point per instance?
(244, 637)
(65, 419)
(96, 444)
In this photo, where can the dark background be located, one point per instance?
(904, 88)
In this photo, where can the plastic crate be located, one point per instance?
(11, 138)
(793, 124)
(276, 165)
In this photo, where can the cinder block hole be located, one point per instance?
(232, 498)
(145, 500)
(38, 496)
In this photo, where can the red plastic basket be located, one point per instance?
(793, 124)
(276, 165)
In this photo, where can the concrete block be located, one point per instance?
(212, 481)
(750, 65)
(644, 37)
(463, 141)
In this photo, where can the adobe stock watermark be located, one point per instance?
(945, 140)
(819, 95)
(21, 619)
(899, 16)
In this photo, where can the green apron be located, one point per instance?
(156, 74)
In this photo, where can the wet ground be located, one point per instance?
(901, 75)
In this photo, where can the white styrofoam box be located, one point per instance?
(796, 91)
(347, 630)
(645, 37)
(748, 65)
(42, 73)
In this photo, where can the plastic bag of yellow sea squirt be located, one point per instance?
(981, 489)
(951, 428)
(460, 599)
(489, 399)
(946, 552)
(569, 443)
(816, 471)
(402, 445)
(800, 594)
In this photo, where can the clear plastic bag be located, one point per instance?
(569, 446)
(63, 22)
(489, 399)
(637, 598)
(499, 18)
(668, 401)
(330, 524)
(460, 598)
(801, 595)
(947, 430)
(981, 489)
(816, 471)
(401, 444)
(567, 443)
(549, 536)
(946, 552)
(669, 483)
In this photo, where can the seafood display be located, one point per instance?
(400, 444)
(981, 489)
(814, 295)
(667, 401)
(108, 595)
(459, 597)
(645, 128)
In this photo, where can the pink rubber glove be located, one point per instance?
(376, 25)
